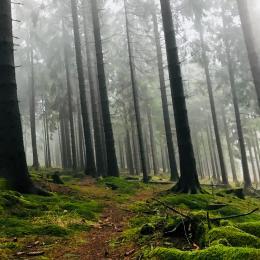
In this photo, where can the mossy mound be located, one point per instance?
(234, 236)
(212, 253)
(57, 215)
(252, 228)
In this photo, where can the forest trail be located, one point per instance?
(96, 243)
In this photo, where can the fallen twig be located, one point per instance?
(234, 216)
(171, 208)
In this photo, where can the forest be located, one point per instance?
(130, 129)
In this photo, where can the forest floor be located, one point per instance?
(116, 218)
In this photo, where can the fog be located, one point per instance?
(40, 39)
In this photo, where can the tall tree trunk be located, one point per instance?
(147, 154)
(135, 150)
(250, 44)
(212, 103)
(12, 156)
(70, 101)
(257, 149)
(256, 159)
(129, 153)
(81, 136)
(213, 163)
(188, 182)
(62, 140)
(201, 173)
(163, 159)
(252, 160)
(152, 142)
(121, 153)
(48, 144)
(90, 167)
(112, 167)
(68, 144)
(230, 151)
(96, 115)
(214, 153)
(36, 164)
(166, 116)
(206, 156)
(136, 100)
(246, 175)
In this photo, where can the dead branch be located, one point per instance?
(234, 216)
(171, 208)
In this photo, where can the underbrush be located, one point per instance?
(164, 234)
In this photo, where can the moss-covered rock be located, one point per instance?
(212, 253)
(234, 236)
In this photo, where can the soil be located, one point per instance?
(113, 221)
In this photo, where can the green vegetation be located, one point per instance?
(34, 215)
(157, 231)
(160, 228)
(121, 185)
(234, 236)
(211, 253)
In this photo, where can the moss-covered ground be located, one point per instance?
(164, 234)
(124, 219)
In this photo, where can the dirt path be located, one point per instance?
(114, 219)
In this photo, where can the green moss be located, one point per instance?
(229, 211)
(234, 236)
(198, 201)
(84, 209)
(11, 226)
(252, 228)
(51, 230)
(9, 245)
(57, 215)
(222, 241)
(121, 185)
(212, 253)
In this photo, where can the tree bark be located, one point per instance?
(213, 163)
(112, 167)
(166, 116)
(129, 153)
(250, 44)
(95, 101)
(90, 167)
(252, 160)
(256, 159)
(188, 182)
(230, 151)
(136, 101)
(212, 103)
(246, 175)
(70, 101)
(152, 142)
(36, 164)
(12, 156)
(135, 150)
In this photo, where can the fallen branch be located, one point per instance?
(234, 216)
(171, 208)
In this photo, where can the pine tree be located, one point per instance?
(188, 182)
